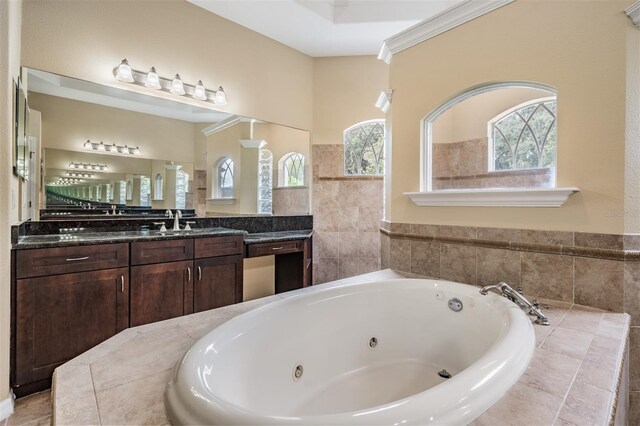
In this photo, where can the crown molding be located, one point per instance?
(442, 22)
(252, 143)
(633, 12)
(220, 126)
(383, 103)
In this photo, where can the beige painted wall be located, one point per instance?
(589, 68)
(10, 23)
(344, 92)
(86, 40)
(67, 124)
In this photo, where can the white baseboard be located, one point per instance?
(6, 406)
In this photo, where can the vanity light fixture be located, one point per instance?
(79, 174)
(115, 149)
(123, 72)
(70, 180)
(153, 81)
(199, 92)
(87, 166)
(176, 86)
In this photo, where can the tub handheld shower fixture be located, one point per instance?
(516, 297)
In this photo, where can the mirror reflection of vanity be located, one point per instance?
(107, 146)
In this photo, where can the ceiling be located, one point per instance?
(328, 27)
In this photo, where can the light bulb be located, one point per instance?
(199, 92)
(124, 72)
(177, 88)
(87, 145)
(221, 98)
(136, 151)
(153, 81)
(112, 148)
(101, 147)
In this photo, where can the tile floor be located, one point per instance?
(32, 410)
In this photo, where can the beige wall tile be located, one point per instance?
(326, 270)
(606, 241)
(347, 268)
(457, 232)
(634, 359)
(634, 408)
(348, 193)
(499, 234)
(326, 244)
(400, 255)
(348, 218)
(458, 263)
(632, 291)
(425, 258)
(385, 251)
(348, 245)
(547, 237)
(496, 265)
(368, 265)
(326, 219)
(599, 283)
(423, 230)
(547, 275)
(368, 245)
(369, 218)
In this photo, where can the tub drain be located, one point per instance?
(444, 374)
(297, 372)
(373, 342)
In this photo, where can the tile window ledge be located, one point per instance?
(494, 197)
(221, 200)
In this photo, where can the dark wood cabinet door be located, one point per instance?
(59, 317)
(160, 292)
(218, 282)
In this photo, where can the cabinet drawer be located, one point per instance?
(280, 247)
(146, 252)
(64, 260)
(218, 246)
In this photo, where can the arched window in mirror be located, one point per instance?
(524, 137)
(500, 135)
(291, 169)
(182, 183)
(129, 190)
(364, 148)
(265, 182)
(158, 187)
(223, 178)
(123, 193)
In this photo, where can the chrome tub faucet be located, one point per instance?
(516, 297)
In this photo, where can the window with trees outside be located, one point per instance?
(291, 169)
(224, 178)
(524, 137)
(158, 188)
(364, 148)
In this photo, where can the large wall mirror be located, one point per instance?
(106, 145)
(497, 136)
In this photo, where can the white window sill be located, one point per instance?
(493, 197)
(291, 187)
(221, 200)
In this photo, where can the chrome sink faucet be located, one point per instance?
(176, 218)
(516, 297)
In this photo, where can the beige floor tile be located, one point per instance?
(586, 405)
(77, 411)
(32, 408)
(146, 355)
(569, 342)
(551, 372)
(522, 405)
(135, 403)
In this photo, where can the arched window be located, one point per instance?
(291, 169)
(364, 148)
(265, 182)
(158, 188)
(524, 137)
(145, 191)
(223, 178)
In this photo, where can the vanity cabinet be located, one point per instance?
(161, 280)
(218, 282)
(64, 305)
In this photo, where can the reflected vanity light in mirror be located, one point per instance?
(125, 73)
(79, 175)
(112, 148)
(87, 166)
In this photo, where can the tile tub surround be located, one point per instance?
(598, 270)
(122, 380)
(347, 211)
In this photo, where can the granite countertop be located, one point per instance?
(573, 378)
(108, 237)
(270, 237)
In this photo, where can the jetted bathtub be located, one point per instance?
(371, 353)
